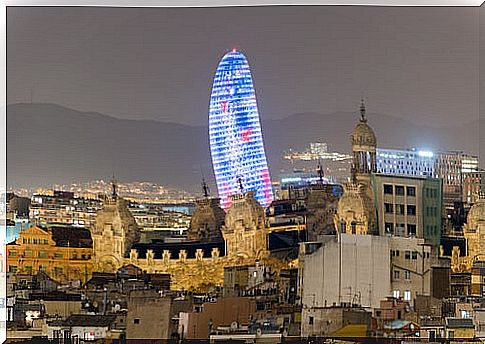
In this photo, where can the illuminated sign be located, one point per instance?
(236, 141)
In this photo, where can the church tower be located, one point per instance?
(356, 213)
(364, 146)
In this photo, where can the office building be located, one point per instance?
(235, 135)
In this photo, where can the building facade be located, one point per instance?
(63, 253)
(62, 207)
(406, 162)
(409, 206)
(235, 134)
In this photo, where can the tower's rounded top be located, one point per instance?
(363, 135)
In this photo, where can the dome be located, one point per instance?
(245, 211)
(476, 214)
(363, 135)
(207, 220)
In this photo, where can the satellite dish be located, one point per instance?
(234, 325)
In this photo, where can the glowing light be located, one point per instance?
(235, 136)
(425, 154)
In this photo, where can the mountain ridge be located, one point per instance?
(49, 143)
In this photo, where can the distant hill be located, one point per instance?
(48, 144)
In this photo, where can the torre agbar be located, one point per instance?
(235, 136)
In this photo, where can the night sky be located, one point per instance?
(158, 63)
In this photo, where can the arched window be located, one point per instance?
(353, 226)
(342, 227)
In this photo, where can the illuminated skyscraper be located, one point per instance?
(235, 136)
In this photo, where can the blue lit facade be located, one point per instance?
(235, 136)
(412, 163)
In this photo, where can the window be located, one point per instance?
(407, 255)
(28, 269)
(43, 254)
(310, 320)
(451, 334)
(12, 268)
(407, 275)
(387, 189)
(411, 210)
(411, 230)
(388, 208)
(415, 255)
(396, 274)
(58, 271)
(407, 295)
(28, 253)
(136, 321)
(58, 255)
(399, 190)
(12, 253)
(411, 191)
(400, 209)
(389, 227)
(395, 293)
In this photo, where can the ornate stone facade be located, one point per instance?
(322, 206)
(207, 221)
(474, 233)
(114, 232)
(245, 231)
(356, 212)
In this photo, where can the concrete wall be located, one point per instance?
(356, 270)
(148, 315)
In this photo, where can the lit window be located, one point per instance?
(407, 295)
(395, 293)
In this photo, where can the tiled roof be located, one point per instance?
(459, 323)
(90, 320)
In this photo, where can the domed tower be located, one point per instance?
(364, 146)
(207, 221)
(113, 233)
(474, 230)
(244, 230)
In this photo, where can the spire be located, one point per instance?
(362, 111)
(114, 187)
(205, 188)
(320, 172)
(241, 187)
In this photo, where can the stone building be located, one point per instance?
(207, 221)
(114, 232)
(193, 265)
(245, 232)
(356, 212)
(474, 233)
(64, 253)
(321, 206)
